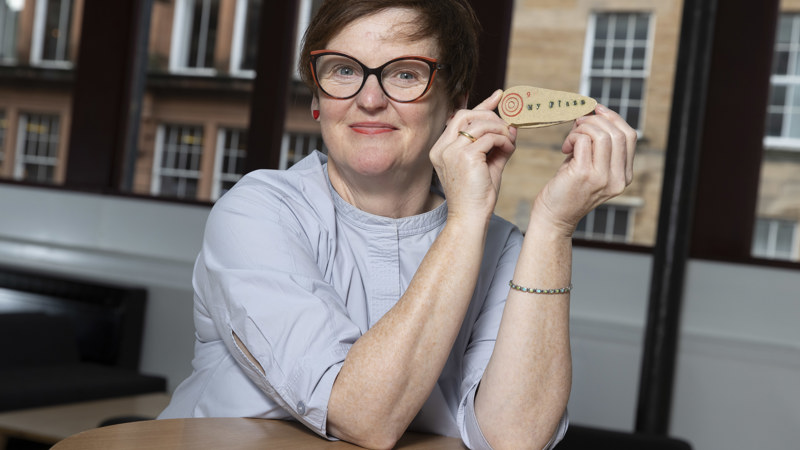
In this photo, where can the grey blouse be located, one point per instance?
(299, 274)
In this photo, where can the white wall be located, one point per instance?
(738, 376)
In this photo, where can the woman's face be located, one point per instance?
(370, 135)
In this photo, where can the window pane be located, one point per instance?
(56, 31)
(9, 24)
(599, 57)
(202, 36)
(250, 46)
(780, 64)
(231, 153)
(621, 223)
(784, 240)
(38, 42)
(180, 149)
(621, 23)
(778, 203)
(37, 151)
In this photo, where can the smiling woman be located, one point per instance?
(403, 282)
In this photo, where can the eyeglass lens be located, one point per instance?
(402, 80)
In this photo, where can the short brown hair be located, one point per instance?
(452, 23)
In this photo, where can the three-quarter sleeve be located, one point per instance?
(259, 277)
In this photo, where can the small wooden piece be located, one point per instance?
(534, 107)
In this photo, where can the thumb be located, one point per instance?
(491, 102)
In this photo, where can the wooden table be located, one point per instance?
(227, 433)
(51, 424)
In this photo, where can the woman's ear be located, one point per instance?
(459, 103)
(315, 108)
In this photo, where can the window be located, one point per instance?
(617, 64)
(245, 37)
(607, 222)
(176, 170)
(296, 146)
(778, 206)
(775, 239)
(9, 21)
(230, 156)
(194, 36)
(52, 33)
(37, 148)
(783, 111)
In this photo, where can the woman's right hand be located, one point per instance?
(470, 172)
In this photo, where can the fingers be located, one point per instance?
(613, 145)
(480, 121)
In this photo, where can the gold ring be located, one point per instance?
(468, 136)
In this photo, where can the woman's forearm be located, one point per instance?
(390, 371)
(525, 387)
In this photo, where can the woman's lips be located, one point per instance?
(372, 128)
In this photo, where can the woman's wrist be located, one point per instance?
(545, 222)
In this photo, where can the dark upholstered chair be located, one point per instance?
(582, 438)
(66, 340)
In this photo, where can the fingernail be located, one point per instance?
(600, 108)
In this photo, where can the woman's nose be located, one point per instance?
(372, 95)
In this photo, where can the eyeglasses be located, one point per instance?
(403, 79)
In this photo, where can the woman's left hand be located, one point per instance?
(599, 166)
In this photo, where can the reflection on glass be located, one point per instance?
(778, 214)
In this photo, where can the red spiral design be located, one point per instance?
(511, 105)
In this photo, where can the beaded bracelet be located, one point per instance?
(539, 291)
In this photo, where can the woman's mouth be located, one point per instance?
(372, 128)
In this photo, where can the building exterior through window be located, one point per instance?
(193, 128)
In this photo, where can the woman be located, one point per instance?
(347, 294)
